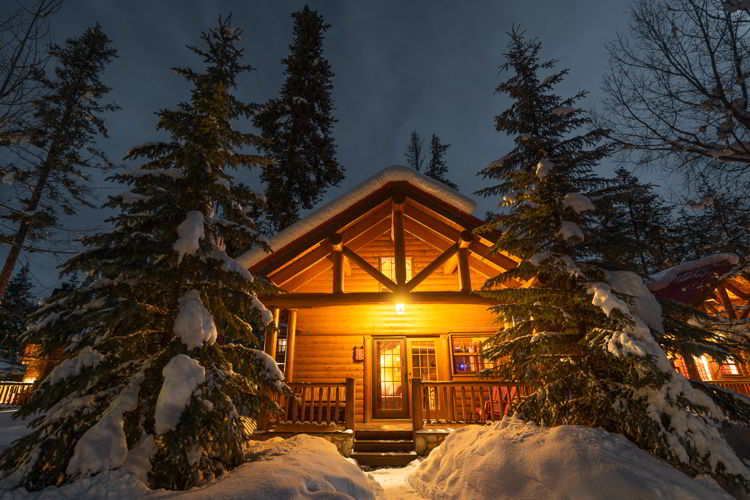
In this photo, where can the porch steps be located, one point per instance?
(384, 448)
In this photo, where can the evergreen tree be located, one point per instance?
(582, 335)
(413, 153)
(50, 173)
(297, 127)
(437, 169)
(148, 389)
(15, 311)
(636, 215)
(717, 222)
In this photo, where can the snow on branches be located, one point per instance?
(190, 233)
(194, 324)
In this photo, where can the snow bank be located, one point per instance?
(515, 460)
(303, 467)
(324, 213)
(194, 323)
(189, 233)
(182, 375)
(87, 358)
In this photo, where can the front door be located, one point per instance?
(391, 396)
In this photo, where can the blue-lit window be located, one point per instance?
(467, 357)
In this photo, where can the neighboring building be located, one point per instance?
(719, 286)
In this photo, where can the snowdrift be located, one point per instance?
(514, 460)
(299, 468)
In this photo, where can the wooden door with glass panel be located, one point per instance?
(423, 364)
(391, 395)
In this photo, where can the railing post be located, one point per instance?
(416, 404)
(349, 409)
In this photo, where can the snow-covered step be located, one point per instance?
(384, 459)
(384, 445)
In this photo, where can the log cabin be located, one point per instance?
(719, 286)
(378, 288)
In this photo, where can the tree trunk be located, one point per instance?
(23, 229)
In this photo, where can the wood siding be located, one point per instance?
(419, 252)
(330, 359)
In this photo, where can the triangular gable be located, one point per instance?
(354, 200)
(431, 212)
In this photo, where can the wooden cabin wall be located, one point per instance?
(421, 253)
(382, 319)
(320, 358)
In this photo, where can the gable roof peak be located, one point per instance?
(394, 173)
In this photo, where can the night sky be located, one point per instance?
(429, 65)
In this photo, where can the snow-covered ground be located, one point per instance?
(509, 460)
(517, 461)
(10, 429)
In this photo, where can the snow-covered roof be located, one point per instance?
(666, 277)
(329, 210)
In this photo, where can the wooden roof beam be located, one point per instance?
(728, 307)
(369, 269)
(325, 264)
(304, 300)
(431, 267)
(399, 240)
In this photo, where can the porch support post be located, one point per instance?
(416, 404)
(464, 274)
(399, 246)
(271, 337)
(349, 409)
(291, 339)
(692, 369)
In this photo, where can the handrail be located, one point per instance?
(326, 403)
(465, 402)
(15, 393)
(739, 385)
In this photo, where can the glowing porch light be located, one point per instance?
(400, 308)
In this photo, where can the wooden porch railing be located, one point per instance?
(15, 393)
(739, 385)
(458, 402)
(320, 403)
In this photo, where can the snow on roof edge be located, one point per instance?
(322, 214)
(664, 278)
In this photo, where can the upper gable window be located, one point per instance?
(388, 267)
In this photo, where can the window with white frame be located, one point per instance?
(388, 268)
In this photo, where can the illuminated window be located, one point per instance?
(704, 370)
(388, 268)
(467, 357)
(730, 368)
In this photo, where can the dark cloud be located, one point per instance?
(429, 65)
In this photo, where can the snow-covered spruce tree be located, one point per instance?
(436, 168)
(297, 127)
(581, 335)
(147, 388)
(636, 214)
(15, 310)
(48, 171)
